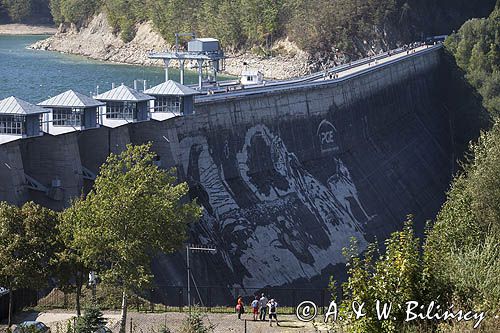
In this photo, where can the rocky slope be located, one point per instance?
(98, 41)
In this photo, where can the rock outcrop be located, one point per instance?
(98, 41)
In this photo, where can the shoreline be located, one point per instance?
(235, 63)
(121, 63)
(278, 67)
(16, 29)
(98, 41)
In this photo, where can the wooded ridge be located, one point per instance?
(320, 27)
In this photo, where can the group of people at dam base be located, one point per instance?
(260, 308)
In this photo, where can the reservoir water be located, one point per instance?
(35, 75)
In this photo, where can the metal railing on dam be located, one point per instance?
(321, 78)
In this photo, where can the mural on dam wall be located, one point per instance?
(274, 220)
(284, 195)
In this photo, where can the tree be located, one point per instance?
(476, 48)
(134, 211)
(260, 19)
(222, 19)
(70, 268)
(360, 271)
(26, 242)
(175, 16)
(78, 11)
(394, 278)
(55, 10)
(91, 320)
(18, 10)
(195, 323)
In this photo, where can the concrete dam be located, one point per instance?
(286, 176)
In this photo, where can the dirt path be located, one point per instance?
(224, 323)
(152, 322)
(23, 29)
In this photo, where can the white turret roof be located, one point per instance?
(125, 94)
(72, 99)
(171, 88)
(16, 106)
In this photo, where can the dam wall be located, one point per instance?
(286, 177)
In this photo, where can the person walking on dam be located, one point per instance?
(255, 308)
(263, 307)
(239, 307)
(273, 312)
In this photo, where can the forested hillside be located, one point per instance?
(352, 26)
(26, 11)
(476, 47)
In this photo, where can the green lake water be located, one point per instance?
(35, 75)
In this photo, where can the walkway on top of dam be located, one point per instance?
(335, 74)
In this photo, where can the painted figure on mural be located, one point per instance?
(268, 202)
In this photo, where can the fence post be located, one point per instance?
(322, 301)
(209, 299)
(181, 300)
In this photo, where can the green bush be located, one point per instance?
(164, 329)
(462, 247)
(394, 277)
(91, 320)
(195, 323)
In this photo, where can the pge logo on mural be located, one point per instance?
(326, 134)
